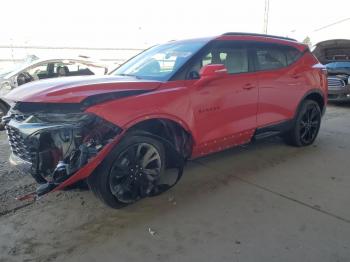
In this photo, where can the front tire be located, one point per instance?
(306, 125)
(130, 172)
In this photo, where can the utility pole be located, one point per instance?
(266, 16)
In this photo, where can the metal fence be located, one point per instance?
(10, 54)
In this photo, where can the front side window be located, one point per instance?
(234, 57)
(160, 62)
(76, 68)
(39, 71)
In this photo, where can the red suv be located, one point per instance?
(128, 135)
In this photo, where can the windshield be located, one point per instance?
(160, 62)
(9, 69)
(338, 65)
(17, 66)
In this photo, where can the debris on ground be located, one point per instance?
(152, 232)
(172, 200)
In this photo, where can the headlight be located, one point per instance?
(68, 118)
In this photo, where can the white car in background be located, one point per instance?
(39, 69)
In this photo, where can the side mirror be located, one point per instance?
(213, 71)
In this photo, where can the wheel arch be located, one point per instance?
(172, 131)
(315, 95)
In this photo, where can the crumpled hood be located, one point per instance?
(332, 50)
(77, 89)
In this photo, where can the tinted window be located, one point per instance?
(235, 58)
(292, 54)
(270, 58)
(274, 57)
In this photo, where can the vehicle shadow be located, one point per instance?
(74, 220)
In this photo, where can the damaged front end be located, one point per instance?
(53, 147)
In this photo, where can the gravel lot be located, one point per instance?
(262, 202)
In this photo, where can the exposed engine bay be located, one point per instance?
(53, 146)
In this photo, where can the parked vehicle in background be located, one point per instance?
(123, 133)
(335, 55)
(38, 69)
(339, 81)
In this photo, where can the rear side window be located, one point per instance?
(292, 54)
(270, 58)
(274, 57)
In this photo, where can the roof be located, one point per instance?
(260, 35)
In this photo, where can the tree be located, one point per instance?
(307, 41)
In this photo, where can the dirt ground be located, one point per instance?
(262, 202)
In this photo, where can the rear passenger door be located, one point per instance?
(280, 82)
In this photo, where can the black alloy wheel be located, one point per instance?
(135, 172)
(306, 125)
(309, 124)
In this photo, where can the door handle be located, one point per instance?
(248, 86)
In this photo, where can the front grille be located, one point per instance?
(335, 83)
(18, 146)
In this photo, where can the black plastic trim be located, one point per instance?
(273, 130)
(100, 98)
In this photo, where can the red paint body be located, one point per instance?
(218, 113)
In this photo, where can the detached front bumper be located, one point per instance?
(60, 154)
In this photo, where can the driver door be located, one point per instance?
(225, 109)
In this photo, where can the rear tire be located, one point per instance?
(121, 179)
(306, 125)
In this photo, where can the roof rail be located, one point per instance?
(264, 35)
